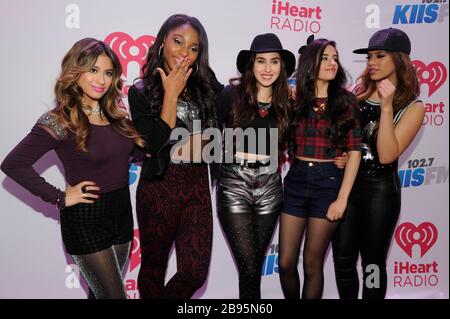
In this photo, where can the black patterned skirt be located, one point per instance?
(88, 228)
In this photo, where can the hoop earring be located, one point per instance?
(196, 70)
(160, 53)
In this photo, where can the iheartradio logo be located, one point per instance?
(128, 49)
(121, 105)
(433, 74)
(407, 235)
(135, 253)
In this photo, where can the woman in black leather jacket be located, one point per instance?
(176, 94)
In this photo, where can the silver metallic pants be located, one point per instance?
(249, 204)
(249, 190)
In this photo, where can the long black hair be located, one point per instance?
(245, 106)
(201, 85)
(340, 100)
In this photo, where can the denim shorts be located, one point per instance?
(310, 188)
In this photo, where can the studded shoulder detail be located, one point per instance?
(51, 122)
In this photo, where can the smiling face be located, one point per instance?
(381, 66)
(328, 64)
(267, 68)
(97, 81)
(181, 42)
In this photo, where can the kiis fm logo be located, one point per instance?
(408, 274)
(422, 172)
(433, 76)
(287, 15)
(129, 50)
(427, 11)
(270, 263)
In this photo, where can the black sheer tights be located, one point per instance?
(102, 271)
(318, 235)
(248, 236)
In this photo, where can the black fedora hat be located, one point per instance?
(391, 39)
(264, 43)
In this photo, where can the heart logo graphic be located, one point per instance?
(129, 50)
(407, 235)
(433, 74)
(135, 252)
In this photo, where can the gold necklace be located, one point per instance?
(320, 108)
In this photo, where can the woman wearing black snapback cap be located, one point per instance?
(391, 117)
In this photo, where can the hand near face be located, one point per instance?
(175, 82)
(386, 91)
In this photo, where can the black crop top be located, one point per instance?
(224, 104)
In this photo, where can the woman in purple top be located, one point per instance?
(94, 140)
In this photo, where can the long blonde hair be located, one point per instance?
(68, 94)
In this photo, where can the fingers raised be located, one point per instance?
(188, 74)
(161, 73)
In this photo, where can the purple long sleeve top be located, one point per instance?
(105, 163)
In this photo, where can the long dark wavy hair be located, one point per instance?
(407, 88)
(201, 85)
(245, 106)
(340, 100)
(68, 94)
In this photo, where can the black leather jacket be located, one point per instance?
(154, 130)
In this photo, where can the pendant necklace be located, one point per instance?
(263, 109)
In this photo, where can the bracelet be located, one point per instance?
(61, 200)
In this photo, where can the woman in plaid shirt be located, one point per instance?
(315, 190)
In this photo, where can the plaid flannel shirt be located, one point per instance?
(313, 136)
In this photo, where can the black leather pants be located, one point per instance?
(249, 204)
(367, 229)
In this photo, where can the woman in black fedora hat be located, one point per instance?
(316, 190)
(249, 194)
(391, 117)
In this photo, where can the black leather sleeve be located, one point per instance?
(154, 131)
(148, 124)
